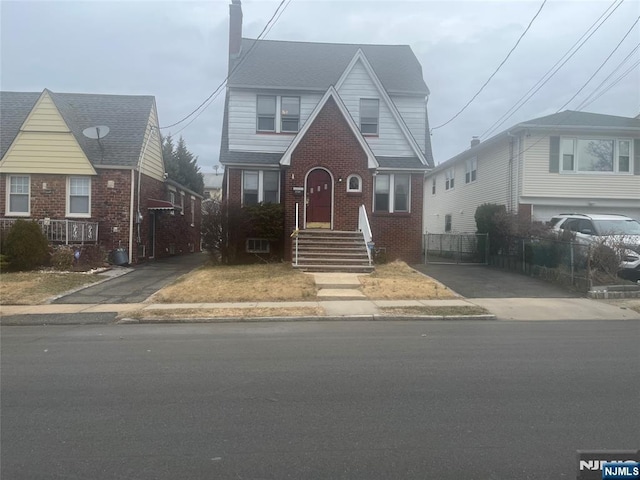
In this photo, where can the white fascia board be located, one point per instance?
(331, 92)
(360, 56)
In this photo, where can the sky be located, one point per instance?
(177, 51)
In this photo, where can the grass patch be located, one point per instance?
(236, 313)
(398, 281)
(35, 288)
(239, 283)
(425, 310)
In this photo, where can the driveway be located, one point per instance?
(138, 285)
(480, 281)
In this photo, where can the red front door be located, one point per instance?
(319, 189)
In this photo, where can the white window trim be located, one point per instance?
(257, 250)
(359, 189)
(616, 156)
(8, 212)
(181, 203)
(278, 116)
(68, 198)
(193, 210)
(471, 165)
(450, 175)
(392, 187)
(260, 185)
(377, 132)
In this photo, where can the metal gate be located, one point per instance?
(456, 248)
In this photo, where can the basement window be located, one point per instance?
(257, 245)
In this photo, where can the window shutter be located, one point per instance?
(554, 154)
(636, 156)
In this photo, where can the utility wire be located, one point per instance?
(551, 72)
(602, 64)
(612, 84)
(615, 70)
(496, 70)
(224, 82)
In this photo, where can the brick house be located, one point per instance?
(85, 183)
(338, 130)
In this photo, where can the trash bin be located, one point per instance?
(120, 256)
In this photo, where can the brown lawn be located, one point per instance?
(34, 288)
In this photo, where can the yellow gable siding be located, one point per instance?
(46, 145)
(152, 164)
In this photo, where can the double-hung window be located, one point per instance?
(471, 170)
(369, 115)
(18, 191)
(278, 114)
(449, 179)
(260, 186)
(392, 193)
(595, 155)
(79, 197)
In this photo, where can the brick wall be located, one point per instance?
(110, 207)
(331, 145)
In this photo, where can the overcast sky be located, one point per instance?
(177, 51)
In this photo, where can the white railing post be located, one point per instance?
(296, 232)
(365, 228)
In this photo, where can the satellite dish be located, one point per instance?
(97, 132)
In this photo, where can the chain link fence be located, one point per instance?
(456, 248)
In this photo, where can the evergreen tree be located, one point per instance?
(182, 165)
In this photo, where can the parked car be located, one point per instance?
(618, 232)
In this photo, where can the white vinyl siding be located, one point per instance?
(538, 182)
(18, 195)
(152, 163)
(242, 121)
(412, 111)
(390, 140)
(491, 186)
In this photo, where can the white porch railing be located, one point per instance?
(295, 235)
(62, 231)
(365, 228)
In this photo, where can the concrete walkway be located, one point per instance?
(338, 297)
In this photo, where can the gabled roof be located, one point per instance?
(567, 120)
(317, 66)
(571, 118)
(333, 94)
(362, 58)
(126, 116)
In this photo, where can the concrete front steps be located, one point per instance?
(331, 251)
(338, 286)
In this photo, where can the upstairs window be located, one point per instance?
(290, 114)
(369, 115)
(18, 192)
(278, 114)
(595, 155)
(79, 197)
(449, 179)
(471, 170)
(266, 113)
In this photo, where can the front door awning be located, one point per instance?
(153, 204)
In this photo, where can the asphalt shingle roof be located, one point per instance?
(317, 66)
(126, 116)
(571, 118)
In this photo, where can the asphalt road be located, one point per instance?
(343, 400)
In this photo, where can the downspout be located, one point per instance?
(133, 186)
(510, 171)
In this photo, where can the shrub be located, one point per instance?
(26, 247)
(62, 258)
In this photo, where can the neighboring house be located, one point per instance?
(110, 190)
(330, 128)
(213, 185)
(568, 162)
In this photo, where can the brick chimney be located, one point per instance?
(475, 141)
(235, 28)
